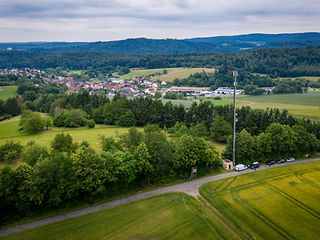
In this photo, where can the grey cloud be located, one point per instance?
(181, 18)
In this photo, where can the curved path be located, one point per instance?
(190, 187)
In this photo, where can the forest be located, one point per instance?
(277, 62)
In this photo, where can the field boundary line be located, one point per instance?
(110, 204)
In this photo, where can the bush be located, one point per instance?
(62, 143)
(34, 153)
(10, 151)
(91, 123)
(32, 122)
(71, 118)
(217, 98)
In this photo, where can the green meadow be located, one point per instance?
(172, 74)
(9, 130)
(7, 92)
(305, 105)
(169, 216)
(278, 203)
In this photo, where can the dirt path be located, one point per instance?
(190, 188)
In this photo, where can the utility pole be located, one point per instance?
(235, 75)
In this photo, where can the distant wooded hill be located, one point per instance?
(144, 45)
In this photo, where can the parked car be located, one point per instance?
(271, 163)
(255, 165)
(281, 161)
(240, 167)
(292, 159)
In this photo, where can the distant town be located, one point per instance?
(134, 87)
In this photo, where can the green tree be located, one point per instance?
(193, 151)
(159, 148)
(32, 122)
(91, 123)
(10, 151)
(132, 139)
(179, 129)
(305, 142)
(246, 148)
(198, 130)
(90, 171)
(7, 192)
(121, 167)
(34, 153)
(62, 143)
(283, 141)
(220, 129)
(145, 169)
(23, 177)
(109, 144)
(70, 118)
(54, 180)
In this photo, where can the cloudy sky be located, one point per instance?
(102, 20)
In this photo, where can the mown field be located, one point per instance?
(279, 203)
(9, 130)
(169, 216)
(7, 92)
(301, 105)
(172, 74)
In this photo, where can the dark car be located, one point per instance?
(281, 161)
(271, 163)
(255, 165)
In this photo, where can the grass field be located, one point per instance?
(9, 130)
(73, 72)
(311, 78)
(170, 216)
(172, 74)
(279, 203)
(7, 92)
(300, 105)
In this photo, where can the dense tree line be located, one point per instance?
(276, 143)
(10, 107)
(142, 111)
(278, 62)
(69, 171)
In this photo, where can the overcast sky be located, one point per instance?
(102, 20)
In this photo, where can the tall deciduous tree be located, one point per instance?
(220, 129)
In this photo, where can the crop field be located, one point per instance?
(169, 216)
(9, 130)
(279, 203)
(7, 92)
(172, 74)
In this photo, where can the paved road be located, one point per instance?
(190, 187)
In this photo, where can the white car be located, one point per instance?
(292, 159)
(240, 167)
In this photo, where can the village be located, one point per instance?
(134, 87)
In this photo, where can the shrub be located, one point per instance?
(62, 143)
(91, 123)
(33, 153)
(32, 122)
(10, 151)
(70, 118)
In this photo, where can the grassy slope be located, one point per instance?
(172, 74)
(169, 216)
(7, 92)
(280, 203)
